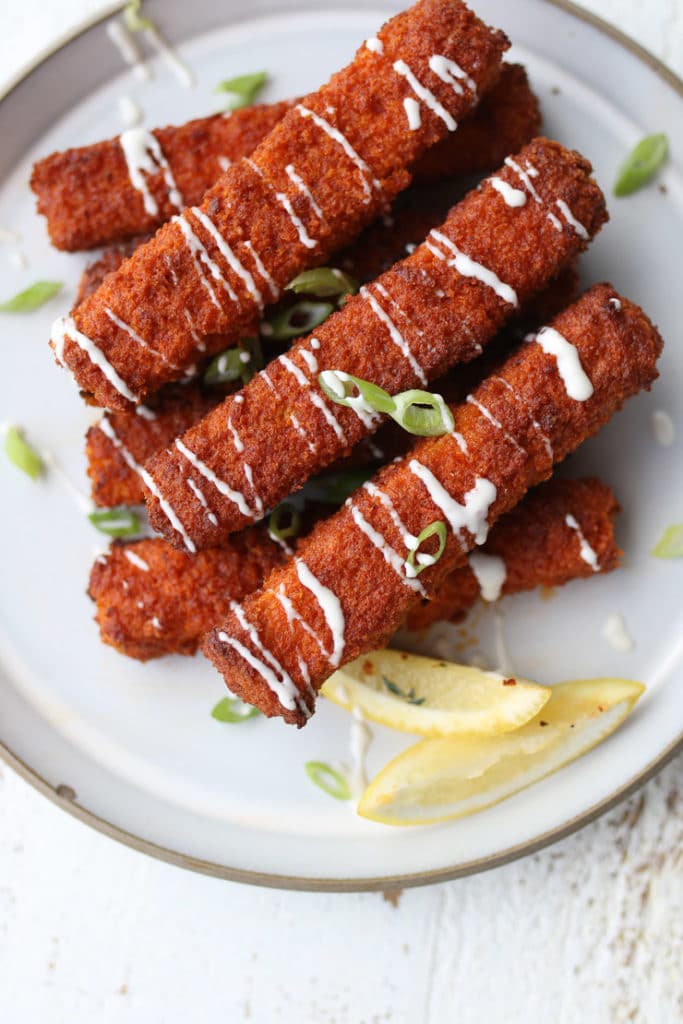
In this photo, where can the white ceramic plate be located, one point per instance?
(135, 743)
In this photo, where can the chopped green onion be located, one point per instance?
(297, 320)
(335, 488)
(409, 697)
(115, 522)
(235, 364)
(134, 19)
(292, 518)
(20, 452)
(330, 780)
(419, 412)
(323, 282)
(31, 298)
(435, 529)
(232, 709)
(410, 413)
(641, 163)
(242, 90)
(671, 543)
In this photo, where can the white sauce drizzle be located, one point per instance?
(663, 427)
(587, 553)
(171, 58)
(408, 538)
(513, 196)
(360, 738)
(201, 498)
(452, 74)
(150, 483)
(615, 303)
(156, 622)
(330, 606)
(390, 556)
(145, 413)
(427, 97)
(201, 256)
(135, 560)
(576, 382)
(375, 45)
(490, 573)
(309, 359)
(127, 329)
(236, 497)
(302, 433)
(366, 414)
(316, 398)
(617, 635)
(504, 663)
(468, 267)
(305, 191)
(536, 425)
(334, 133)
(229, 257)
(144, 155)
(128, 49)
(64, 329)
(412, 109)
(571, 219)
(487, 414)
(281, 684)
(224, 162)
(274, 290)
(304, 237)
(394, 334)
(294, 616)
(130, 111)
(472, 514)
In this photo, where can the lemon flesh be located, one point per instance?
(440, 779)
(434, 698)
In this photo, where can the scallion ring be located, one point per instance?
(328, 779)
(33, 297)
(302, 318)
(670, 544)
(115, 522)
(355, 393)
(242, 90)
(292, 522)
(224, 368)
(335, 488)
(323, 282)
(641, 163)
(20, 452)
(232, 709)
(416, 562)
(134, 19)
(422, 413)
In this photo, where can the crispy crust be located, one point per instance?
(157, 293)
(537, 546)
(446, 318)
(88, 200)
(145, 613)
(617, 347)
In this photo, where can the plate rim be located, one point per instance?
(375, 883)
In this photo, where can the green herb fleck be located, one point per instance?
(641, 163)
(328, 779)
(20, 452)
(31, 298)
(296, 321)
(323, 282)
(115, 522)
(232, 709)
(409, 697)
(242, 90)
(670, 544)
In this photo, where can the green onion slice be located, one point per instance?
(423, 413)
(335, 488)
(291, 525)
(232, 709)
(115, 522)
(299, 319)
(242, 90)
(330, 780)
(134, 19)
(31, 298)
(670, 544)
(20, 452)
(323, 282)
(235, 364)
(416, 561)
(355, 393)
(641, 163)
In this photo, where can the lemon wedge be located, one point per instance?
(434, 698)
(439, 779)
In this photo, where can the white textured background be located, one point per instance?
(589, 931)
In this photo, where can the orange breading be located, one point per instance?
(537, 546)
(88, 199)
(348, 584)
(435, 309)
(190, 595)
(153, 600)
(324, 172)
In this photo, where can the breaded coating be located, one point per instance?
(189, 595)
(348, 588)
(437, 308)
(562, 531)
(153, 600)
(326, 170)
(89, 200)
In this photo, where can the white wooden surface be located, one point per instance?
(588, 931)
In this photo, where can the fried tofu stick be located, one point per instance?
(499, 246)
(153, 600)
(348, 589)
(326, 170)
(88, 197)
(562, 531)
